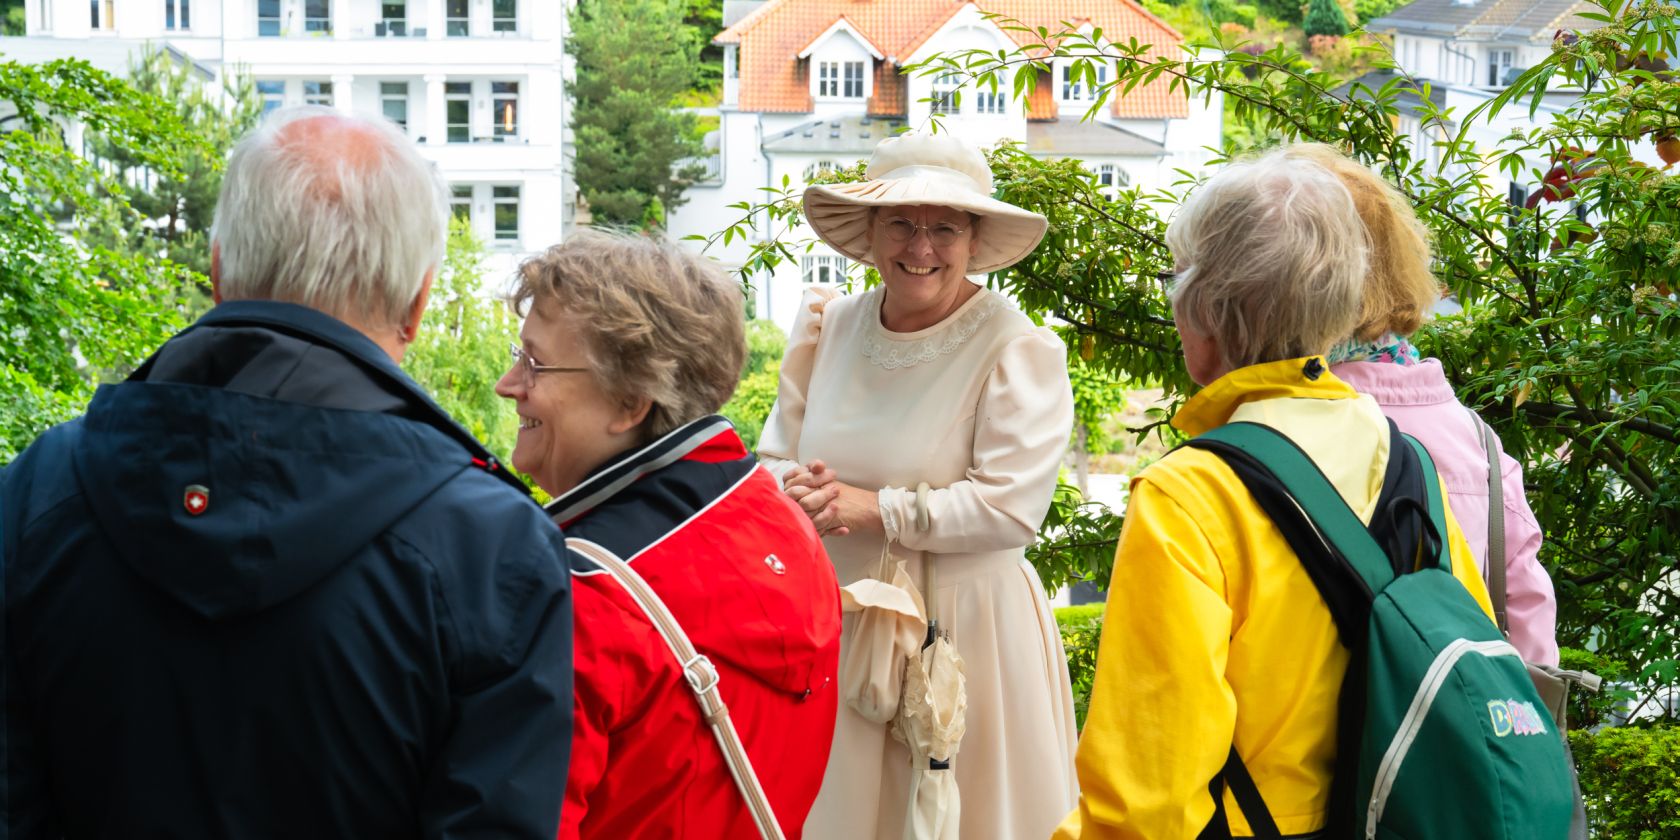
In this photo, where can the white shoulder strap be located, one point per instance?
(702, 680)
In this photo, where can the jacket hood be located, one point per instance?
(244, 463)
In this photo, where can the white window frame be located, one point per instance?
(277, 97)
(504, 26)
(323, 95)
(944, 99)
(457, 96)
(849, 81)
(450, 28)
(278, 20)
(388, 94)
(44, 14)
(1499, 62)
(1111, 178)
(394, 27)
(828, 80)
(1081, 90)
(822, 269)
(323, 24)
(103, 15)
(497, 100)
(181, 10)
(461, 196)
(819, 166)
(988, 103)
(496, 201)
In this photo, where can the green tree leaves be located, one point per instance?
(462, 348)
(634, 59)
(1324, 17)
(75, 313)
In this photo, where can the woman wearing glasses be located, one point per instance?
(628, 349)
(932, 379)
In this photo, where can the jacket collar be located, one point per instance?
(709, 438)
(1424, 383)
(320, 328)
(1307, 378)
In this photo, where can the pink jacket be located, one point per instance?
(1423, 405)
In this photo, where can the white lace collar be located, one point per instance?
(892, 351)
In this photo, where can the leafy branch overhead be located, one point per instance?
(1567, 342)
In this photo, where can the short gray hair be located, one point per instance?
(1272, 259)
(657, 321)
(349, 231)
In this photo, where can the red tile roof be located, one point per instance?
(774, 80)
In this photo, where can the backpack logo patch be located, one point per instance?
(1515, 717)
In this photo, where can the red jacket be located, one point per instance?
(741, 568)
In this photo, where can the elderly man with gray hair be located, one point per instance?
(266, 587)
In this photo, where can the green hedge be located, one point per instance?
(1630, 780)
(1630, 776)
(1081, 626)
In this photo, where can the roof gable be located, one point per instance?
(841, 25)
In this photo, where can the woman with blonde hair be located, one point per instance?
(1378, 359)
(1217, 649)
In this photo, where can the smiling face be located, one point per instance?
(925, 281)
(568, 425)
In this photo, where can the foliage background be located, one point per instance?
(1567, 342)
(75, 312)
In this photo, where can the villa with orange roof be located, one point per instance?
(811, 85)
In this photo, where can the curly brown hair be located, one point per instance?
(656, 321)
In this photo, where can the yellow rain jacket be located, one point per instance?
(1215, 635)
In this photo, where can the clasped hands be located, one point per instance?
(835, 507)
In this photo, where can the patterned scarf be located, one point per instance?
(1388, 347)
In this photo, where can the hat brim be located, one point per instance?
(839, 213)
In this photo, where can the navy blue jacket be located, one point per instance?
(267, 588)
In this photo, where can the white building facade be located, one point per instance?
(480, 85)
(1468, 51)
(811, 85)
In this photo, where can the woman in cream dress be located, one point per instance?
(932, 378)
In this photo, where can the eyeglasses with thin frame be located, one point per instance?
(529, 367)
(941, 234)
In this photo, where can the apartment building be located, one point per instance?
(478, 84)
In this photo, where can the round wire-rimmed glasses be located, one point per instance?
(941, 234)
(529, 367)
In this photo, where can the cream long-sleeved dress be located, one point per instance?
(979, 407)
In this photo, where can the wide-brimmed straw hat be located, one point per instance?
(914, 169)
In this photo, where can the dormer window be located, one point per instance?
(840, 62)
(840, 79)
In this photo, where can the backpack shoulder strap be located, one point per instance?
(1275, 455)
(1436, 505)
(1494, 572)
(702, 678)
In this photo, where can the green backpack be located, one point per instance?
(1441, 734)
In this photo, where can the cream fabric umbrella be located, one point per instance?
(931, 717)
